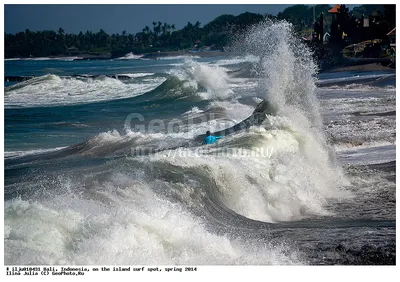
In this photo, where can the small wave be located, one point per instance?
(130, 56)
(193, 111)
(68, 59)
(38, 59)
(32, 81)
(356, 144)
(367, 78)
(49, 90)
(178, 57)
(361, 87)
(237, 60)
(45, 59)
(15, 154)
(135, 75)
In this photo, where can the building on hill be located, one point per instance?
(347, 29)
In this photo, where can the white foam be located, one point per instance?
(213, 78)
(136, 228)
(360, 87)
(69, 58)
(181, 57)
(13, 154)
(237, 60)
(51, 90)
(135, 75)
(289, 185)
(354, 79)
(303, 174)
(232, 109)
(193, 111)
(130, 56)
(343, 147)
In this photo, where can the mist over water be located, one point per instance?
(117, 184)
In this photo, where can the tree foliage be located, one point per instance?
(159, 37)
(366, 10)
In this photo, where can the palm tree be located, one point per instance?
(61, 31)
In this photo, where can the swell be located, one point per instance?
(52, 90)
(113, 144)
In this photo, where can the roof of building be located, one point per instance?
(335, 9)
(392, 32)
(307, 38)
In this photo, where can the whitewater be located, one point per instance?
(108, 171)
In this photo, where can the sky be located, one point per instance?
(74, 18)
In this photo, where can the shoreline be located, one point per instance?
(362, 65)
(360, 68)
(346, 64)
(202, 54)
(107, 56)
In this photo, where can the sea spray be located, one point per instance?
(213, 79)
(303, 174)
(285, 66)
(287, 75)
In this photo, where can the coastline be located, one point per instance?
(362, 65)
(361, 68)
(342, 65)
(108, 56)
(345, 64)
(201, 54)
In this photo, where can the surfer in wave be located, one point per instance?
(210, 139)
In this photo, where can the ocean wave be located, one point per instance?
(130, 56)
(73, 231)
(181, 57)
(237, 60)
(50, 90)
(13, 59)
(359, 79)
(141, 197)
(136, 75)
(361, 87)
(213, 79)
(17, 154)
(69, 58)
(357, 144)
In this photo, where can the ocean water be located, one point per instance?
(101, 170)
